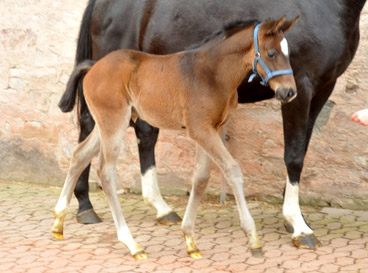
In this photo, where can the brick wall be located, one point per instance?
(37, 48)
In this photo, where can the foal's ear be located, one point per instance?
(288, 24)
(282, 25)
(276, 26)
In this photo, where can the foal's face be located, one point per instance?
(274, 50)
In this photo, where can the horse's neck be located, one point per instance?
(234, 58)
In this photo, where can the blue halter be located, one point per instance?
(270, 74)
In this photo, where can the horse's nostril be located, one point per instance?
(290, 94)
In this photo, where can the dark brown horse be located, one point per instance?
(322, 46)
(195, 90)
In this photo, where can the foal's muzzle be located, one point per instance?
(285, 94)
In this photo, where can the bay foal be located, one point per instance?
(195, 90)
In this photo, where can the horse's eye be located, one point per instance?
(271, 54)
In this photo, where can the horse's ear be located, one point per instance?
(276, 26)
(288, 24)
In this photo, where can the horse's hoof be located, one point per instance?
(170, 219)
(257, 253)
(195, 254)
(289, 228)
(88, 216)
(309, 241)
(58, 235)
(141, 255)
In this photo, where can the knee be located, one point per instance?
(200, 183)
(294, 165)
(234, 175)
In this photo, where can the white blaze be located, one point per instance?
(285, 47)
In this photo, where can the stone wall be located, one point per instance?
(37, 48)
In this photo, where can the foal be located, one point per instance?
(195, 90)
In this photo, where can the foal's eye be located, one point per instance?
(271, 54)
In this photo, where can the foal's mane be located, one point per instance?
(227, 31)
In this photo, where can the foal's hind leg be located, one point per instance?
(112, 134)
(199, 183)
(82, 156)
(211, 142)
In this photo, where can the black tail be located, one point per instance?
(84, 52)
(67, 101)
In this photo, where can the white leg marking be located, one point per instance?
(199, 184)
(291, 210)
(151, 193)
(285, 47)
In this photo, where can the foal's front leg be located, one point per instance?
(211, 142)
(199, 183)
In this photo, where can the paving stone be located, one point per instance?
(26, 243)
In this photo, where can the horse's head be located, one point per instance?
(271, 61)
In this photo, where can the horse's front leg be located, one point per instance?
(147, 138)
(85, 214)
(298, 126)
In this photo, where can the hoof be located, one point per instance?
(257, 253)
(58, 235)
(170, 219)
(289, 228)
(141, 255)
(88, 217)
(195, 254)
(306, 241)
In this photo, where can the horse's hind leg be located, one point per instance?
(81, 157)
(211, 142)
(147, 138)
(199, 183)
(112, 134)
(85, 214)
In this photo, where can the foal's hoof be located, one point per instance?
(195, 254)
(306, 241)
(170, 219)
(58, 235)
(141, 255)
(88, 216)
(257, 253)
(289, 228)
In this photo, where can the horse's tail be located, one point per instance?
(67, 101)
(84, 52)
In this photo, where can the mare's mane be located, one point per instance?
(227, 31)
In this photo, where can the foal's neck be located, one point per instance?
(233, 57)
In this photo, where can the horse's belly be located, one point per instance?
(163, 118)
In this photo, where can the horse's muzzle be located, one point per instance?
(285, 94)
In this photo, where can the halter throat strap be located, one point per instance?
(257, 59)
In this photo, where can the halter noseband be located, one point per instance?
(270, 74)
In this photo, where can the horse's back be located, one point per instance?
(163, 27)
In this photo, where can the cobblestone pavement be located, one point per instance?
(26, 243)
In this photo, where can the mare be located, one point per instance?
(322, 46)
(195, 90)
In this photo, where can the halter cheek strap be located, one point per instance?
(257, 59)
